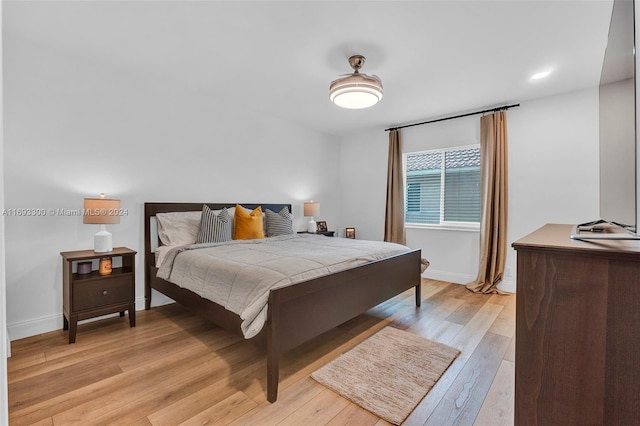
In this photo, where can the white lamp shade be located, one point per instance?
(311, 209)
(101, 211)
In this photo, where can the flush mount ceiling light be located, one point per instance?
(356, 90)
(540, 75)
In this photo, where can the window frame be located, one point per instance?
(443, 225)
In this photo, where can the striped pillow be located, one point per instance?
(214, 228)
(279, 223)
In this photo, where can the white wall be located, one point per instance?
(4, 342)
(553, 177)
(363, 169)
(75, 128)
(554, 169)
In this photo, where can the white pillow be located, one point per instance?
(178, 228)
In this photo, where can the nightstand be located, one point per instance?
(90, 295)
(325, 233)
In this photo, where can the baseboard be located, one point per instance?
(508, 284)
(22, 329)
(451, 277)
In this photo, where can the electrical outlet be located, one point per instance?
(508, 273)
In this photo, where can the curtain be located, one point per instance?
(394, 214)
(493, 220)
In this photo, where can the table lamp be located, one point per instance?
(311, 209)
(101, 211)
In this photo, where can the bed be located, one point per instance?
(297, 312)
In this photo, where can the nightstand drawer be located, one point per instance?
(102, 292)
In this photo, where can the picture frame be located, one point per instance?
(321, 226)
(350, 233)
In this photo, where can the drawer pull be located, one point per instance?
(105, 292)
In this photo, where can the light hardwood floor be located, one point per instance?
(175, 368)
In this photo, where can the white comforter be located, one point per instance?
(239, 274)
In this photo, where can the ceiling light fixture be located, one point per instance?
(356, 90)
(540, 75)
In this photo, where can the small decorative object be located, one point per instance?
(105, 266)
(350, 233)
(84, 268)
(321, 226)
(311, 209)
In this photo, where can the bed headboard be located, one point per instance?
(151, 209)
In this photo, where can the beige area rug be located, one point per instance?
(389, 373)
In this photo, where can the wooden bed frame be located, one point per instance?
(297, 312)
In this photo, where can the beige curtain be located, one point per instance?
(394, 215)
(493, 221)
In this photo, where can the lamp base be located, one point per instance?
(102, 241)
(311, 226)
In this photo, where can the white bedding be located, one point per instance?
(239, 274)
(161, 253)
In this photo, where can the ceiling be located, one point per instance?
(278, 57)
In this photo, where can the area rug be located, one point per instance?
(389, 373)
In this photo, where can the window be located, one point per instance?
(443, 187)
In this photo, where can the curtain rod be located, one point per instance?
(455, 116)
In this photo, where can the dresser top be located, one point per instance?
(557, 237)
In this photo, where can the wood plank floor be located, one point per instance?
(175, 368)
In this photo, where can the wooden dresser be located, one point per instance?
(577, 330)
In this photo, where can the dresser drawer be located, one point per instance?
(102, 292)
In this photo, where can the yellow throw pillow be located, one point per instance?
(248, 226)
